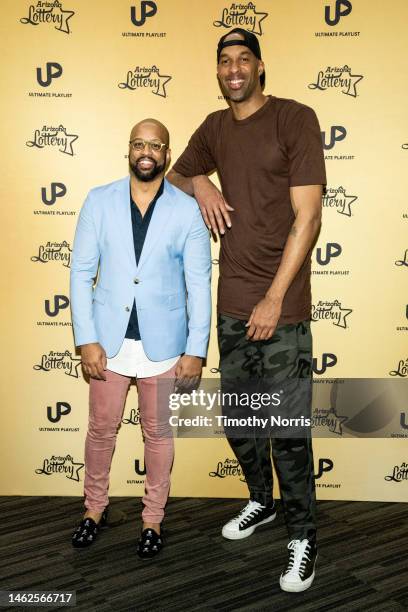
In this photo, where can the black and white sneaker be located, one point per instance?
(300, 573)
(250, 517)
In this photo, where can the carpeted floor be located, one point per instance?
(362, 564)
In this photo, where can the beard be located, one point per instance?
(147, 175)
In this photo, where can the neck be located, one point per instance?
(142, 190)
(242, 110)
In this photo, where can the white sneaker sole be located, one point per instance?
(293, 587)
(244, 533)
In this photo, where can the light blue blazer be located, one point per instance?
(171, 283)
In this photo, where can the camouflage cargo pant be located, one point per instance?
(286, 356)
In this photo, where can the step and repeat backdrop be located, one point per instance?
(77, 75)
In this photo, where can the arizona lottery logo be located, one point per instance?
(242, 15)
(54, 251)
(56, 360)
(328, 417)
(50, 136)
(49, 12)
(228, 467)
(133, 418)
(146, 78)
(403, 261)
(401, 370)
(331, 311)
(61, 465)
(398, 473)
(337, 78)
(339, 199)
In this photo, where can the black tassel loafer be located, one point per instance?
(87, 531)
(150, 544)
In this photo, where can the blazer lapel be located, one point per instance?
(157, 225)
(124, 219)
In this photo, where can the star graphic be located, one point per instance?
(80, 466)
(355, 78)
(65, 15)
(71, 138)
(339, 421)
(344, 312)
(349, 199)
(74, 372)
(258, 21)
(161, 87)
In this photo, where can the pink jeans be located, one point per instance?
(106, 403)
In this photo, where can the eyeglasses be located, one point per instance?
(138, 144)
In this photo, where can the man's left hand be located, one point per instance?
(263, 320)
(188, 372)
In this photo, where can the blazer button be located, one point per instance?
(127, 308)
(136, 281)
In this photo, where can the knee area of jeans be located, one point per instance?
(156, 429)
(158, 435)
(102, 431)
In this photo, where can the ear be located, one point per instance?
(261, 67)
(168, 156)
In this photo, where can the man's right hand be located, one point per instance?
(94, 360)
(212, 203)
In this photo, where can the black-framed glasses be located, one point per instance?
(138, 144)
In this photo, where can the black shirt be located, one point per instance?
(140, 225)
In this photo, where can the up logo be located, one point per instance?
(60, 302)
(138, 469)
(333, 249)
(57, 190)
(342, 8)
(403, 420)
(329, 360)
(337, 134)
(325, 465)
(61, 409)
(53, 70)
(147, 9)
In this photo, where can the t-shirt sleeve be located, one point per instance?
(197, 157)
(304, 148)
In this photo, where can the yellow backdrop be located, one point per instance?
(77, 75)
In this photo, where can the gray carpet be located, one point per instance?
(362, 564)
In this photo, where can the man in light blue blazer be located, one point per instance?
(147, 316)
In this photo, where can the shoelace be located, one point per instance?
(299, 555)
(246, 513)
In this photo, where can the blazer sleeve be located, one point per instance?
(197, 273)
(84, 267)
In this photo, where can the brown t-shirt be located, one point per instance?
(257, 160)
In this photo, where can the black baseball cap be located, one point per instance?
(248, 40)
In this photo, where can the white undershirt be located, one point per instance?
(133, 361)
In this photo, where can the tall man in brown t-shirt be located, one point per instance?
(269, 158)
